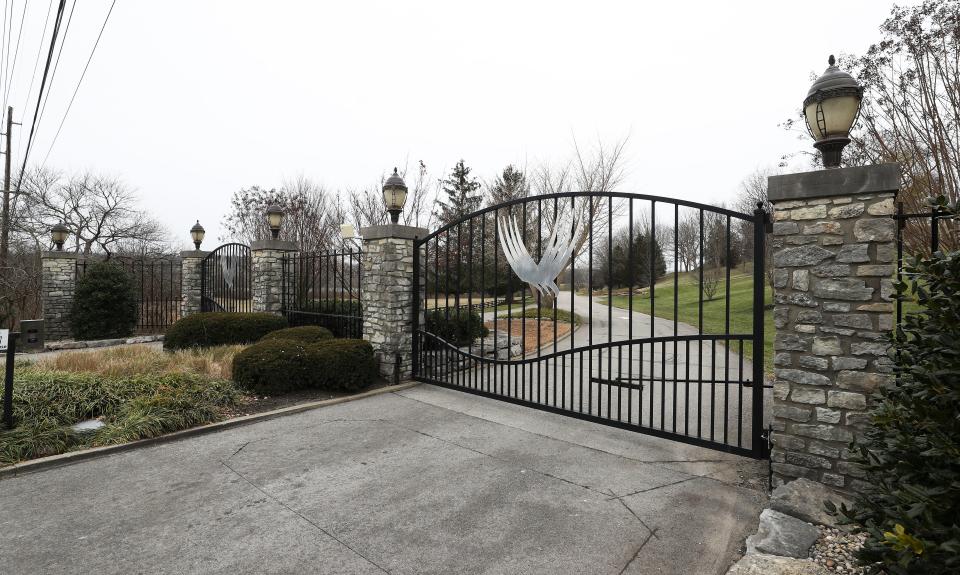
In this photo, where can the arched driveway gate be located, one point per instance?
(562, 285)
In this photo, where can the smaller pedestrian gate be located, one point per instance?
(225, 279)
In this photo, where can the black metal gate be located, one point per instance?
(323, 289)
(157, 280)
(635, 311)
(225, 279)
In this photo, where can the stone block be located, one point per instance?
(827, 346)
(854, 320)
(809, 213)
(846, 211)
(793, 412)
(853, 253)
(843, 289)
(861, 381)
(884, 207)
(808, 396)
(807, 255)
(875, 230)
(813, 362)
(826, 432)
(825, 415)
(802, 377)
(804, 499)
(785, 228)
(840, 363)
(801, 280)
(783, 535)
(846, 400)
(823, 228)
(869, 348)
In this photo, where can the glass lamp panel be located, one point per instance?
(274, 220)
(394, 198)
(838, 116)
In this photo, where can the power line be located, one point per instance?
(43, 82)
(56, 64)
(16, 53)
(84, 73)
(33, 76)
(3, 43)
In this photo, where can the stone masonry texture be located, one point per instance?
(267, 280)
(387, 299)
(57, 288)
(833, 261)
(190, 283)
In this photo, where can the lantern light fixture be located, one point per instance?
(196, 234)
(394, 195)
(59, 233)
(274, 219)
(830, 109)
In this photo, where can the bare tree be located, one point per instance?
(753, 193)
(688, 241)
(911, 109)
(364, 207)
(101, 213)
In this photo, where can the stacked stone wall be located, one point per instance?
(387, 299)
(58, 281)
(834, 261)
(190, 282)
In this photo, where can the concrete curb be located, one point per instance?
(72, 457)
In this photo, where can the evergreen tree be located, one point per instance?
(512, 184)
(461, 197)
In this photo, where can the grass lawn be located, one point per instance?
(544, 314)
(714, 312)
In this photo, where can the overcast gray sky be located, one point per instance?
(188, 101)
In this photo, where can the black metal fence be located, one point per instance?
(920, 234)
(226, 279)
(323, 289)
(615, 352)
(158, 284)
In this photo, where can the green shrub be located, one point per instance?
(279, 365)
(104, 303)
(342, 318)
(458, 329)
(910, 454)
(303, 333)
(221, 328)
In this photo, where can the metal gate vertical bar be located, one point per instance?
(758, 444)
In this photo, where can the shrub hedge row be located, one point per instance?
(456, 328)
(221, 328)
(303, 334)
(279, 365)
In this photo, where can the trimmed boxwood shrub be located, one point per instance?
(221, 328)
(456, 329)
(279, 365)
(104, 303)
(303, 333)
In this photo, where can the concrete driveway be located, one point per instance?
(424, 480)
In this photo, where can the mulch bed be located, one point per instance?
(252, 404)
(530, 337)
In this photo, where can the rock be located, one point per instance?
(844, 289)
(781, 534)
(846, 211)
(804, 377)
(807, 255)
(87, 425)
(762, 564)
(878, 230)
(803, 499)
(853, 253)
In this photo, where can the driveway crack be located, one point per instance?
(636, 553)
(302, 516)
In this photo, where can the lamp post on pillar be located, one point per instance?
(387, 291)
(833, 263)
(191, 282)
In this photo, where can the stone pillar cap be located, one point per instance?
(193, 254)
(393, 231)
(59, 255)
(834, 182)
(278, 245)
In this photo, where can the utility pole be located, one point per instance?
(5, 223)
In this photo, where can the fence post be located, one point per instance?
(57, 284)
(833, 264)
(387, 297)
(190, 281)
(267, 269)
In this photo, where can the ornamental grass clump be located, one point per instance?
(910, 454)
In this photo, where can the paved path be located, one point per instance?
(425, 480)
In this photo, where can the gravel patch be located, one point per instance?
(835, 550)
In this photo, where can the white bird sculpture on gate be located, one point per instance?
(541, 276)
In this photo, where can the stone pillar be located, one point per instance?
(190, 281)
(267, 271)
(386, 294)
(834, 257)
(59, 277)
